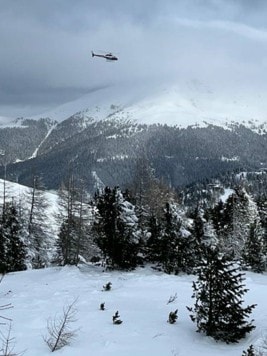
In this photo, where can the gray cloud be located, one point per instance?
(46, 46)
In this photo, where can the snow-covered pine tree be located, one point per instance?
(12, 248)
(254, 250)
(175, 242)
(262, 209)
(197, 237)
(67, 244)
(153, 249)
(239, 213)
(218, 293)
(171, 242)
(216, 214)
(116, 229)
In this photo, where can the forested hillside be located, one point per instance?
(107, 153)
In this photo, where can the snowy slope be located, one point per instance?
(140, 297)
(6, 121)
(182, 104)
(18, 193)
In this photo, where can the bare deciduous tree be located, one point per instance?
(172, 298)
(8, 343)
(59, 332)
(4, 306)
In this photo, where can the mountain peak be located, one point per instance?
(183, 104)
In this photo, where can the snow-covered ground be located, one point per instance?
(6, 121)
(141, 298)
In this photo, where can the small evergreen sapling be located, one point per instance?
(107, 286)
(116, 319)
(173, 317)
(102, 306)
(249, 352)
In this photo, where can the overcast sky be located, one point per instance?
(45, 46)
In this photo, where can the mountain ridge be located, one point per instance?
(183, 104)
(103, 142)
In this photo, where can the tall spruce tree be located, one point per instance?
(262, 208)
(254, 250)
(12, 248)
(218, 292)
(239, 213)
(171, 242)
(175, 243)
(116, 229)
(198, 236)
(153, 249)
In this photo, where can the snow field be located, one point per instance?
(141, 298)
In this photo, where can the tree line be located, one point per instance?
(147, 223)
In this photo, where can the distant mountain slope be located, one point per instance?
(20, 139)
(101, 135)
(107, 151)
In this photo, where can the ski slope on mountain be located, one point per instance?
(184, 104)
(141, 298)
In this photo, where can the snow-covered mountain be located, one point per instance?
(104, 132)
(181, 104)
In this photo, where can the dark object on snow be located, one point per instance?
(102, 306)
(173, 317)
(116, 319)
(172, 298)
(107, 286)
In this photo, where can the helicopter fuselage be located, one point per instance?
(108, 56)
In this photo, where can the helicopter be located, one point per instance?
(107, 56)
